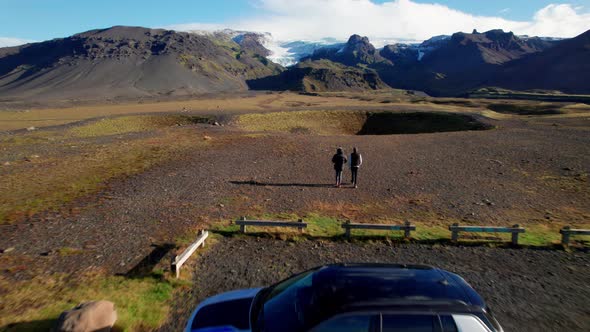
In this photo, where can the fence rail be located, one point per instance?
(567, 231)
(179, 260)
(456, 229)
(407, 227)
(243, 222)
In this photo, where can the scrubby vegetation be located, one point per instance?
(40, 177)
(35, 305)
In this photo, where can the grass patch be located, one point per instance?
(526, 109)
(575, 183)
(309, 122)
(68, 251)
(131, 124)
(323, 226)
(48, 183)
(34, 305)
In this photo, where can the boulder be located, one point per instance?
(86, 317)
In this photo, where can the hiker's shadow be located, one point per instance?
(269, 184)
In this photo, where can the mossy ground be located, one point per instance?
(39, 181)
(34, 305)
(304, 122)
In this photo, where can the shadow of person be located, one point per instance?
(270, 184)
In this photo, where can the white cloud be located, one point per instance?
(393, 20)
(8, 41)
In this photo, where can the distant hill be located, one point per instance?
(321, 76)
(461, 63)
(130, 62)
(358, 50)
(565, 67)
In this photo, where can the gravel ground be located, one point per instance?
(522, 172)
(528, 290)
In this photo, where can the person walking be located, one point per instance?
(356, 160)
(339, 160)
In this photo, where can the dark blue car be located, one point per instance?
(352, 297)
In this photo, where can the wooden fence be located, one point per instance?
(456, 229)
(243, 222)
(179, 260)
(567, 231)
(407, 227)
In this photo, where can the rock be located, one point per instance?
(31, 128)
(7, 163)
(90, 316)
(216, 123)
(3, 251)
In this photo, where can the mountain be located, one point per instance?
(320, 76)
(401, 54)
(358, 50)
(290, 53)
(285, 53)
(253, 42)
(129, 62)
(462, 62)
(564, 67)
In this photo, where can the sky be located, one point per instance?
(392, 20)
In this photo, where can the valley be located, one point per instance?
(119, 145)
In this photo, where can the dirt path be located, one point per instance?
(528, 290)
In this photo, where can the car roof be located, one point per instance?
(392, 285)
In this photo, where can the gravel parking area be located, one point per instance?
(528, 290)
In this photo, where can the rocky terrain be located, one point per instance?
(525, 168)
(129, 62)
(321, 76)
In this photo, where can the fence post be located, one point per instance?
(455, 232)
(515, 235)
(243, 227)
(407, 230)
(174, 267)
(301, 230)
(347, 229)
(565, 235)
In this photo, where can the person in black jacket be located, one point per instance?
(356, 160)
(339, 160)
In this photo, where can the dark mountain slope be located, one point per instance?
(319, 76)
(565, 67)
(358, 50)
(127, 62)
(463, 62)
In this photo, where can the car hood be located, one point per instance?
(224, 312)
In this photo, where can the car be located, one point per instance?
(351, 297)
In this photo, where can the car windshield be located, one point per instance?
(305, 300)
(281, 300)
